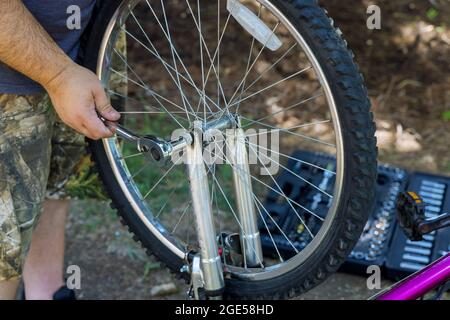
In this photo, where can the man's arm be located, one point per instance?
(76, 92)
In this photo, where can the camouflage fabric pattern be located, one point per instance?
(41, 157)
(72, 173)
(25, 135)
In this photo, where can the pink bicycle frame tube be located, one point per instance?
(421, 282)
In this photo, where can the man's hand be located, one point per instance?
(76, 92)
(78, 96)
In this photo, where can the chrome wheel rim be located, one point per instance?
(134, 196)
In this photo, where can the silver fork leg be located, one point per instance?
(249, 233)
(210, 259)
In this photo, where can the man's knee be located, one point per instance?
(8, 289)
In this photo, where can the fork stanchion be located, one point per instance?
(249, 232)
(210, 259)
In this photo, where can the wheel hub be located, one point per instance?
(159, 150)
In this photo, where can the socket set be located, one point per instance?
(381, 243)
(373, 245)
(284, 221)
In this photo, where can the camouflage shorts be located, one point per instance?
(39, 157)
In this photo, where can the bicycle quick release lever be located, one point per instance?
(158, 150)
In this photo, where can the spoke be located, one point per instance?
(288, 199)
(144, 112)
(295, 159)
(202, 39)
(256, 198)
(214, 201)
(283, 129)
(285, 109)
(155, 109)
(131, 156)
(296, 175)
(177, 81)
(259, 204)
(142, 83)
(269, 87)
(290, 132)
(161, 179)
(154, 95)
(139, 171)
(283, 195)
(292, 128)
(266, 185)
(290, 204)
(181, 217)
(168, 66)
(169, 198)
(172, 46)
(282, 154)
(217, 55)
(253, 64)
(139, 102)
(156, 112)
(201, 59)
(173, 55)
(247, 68)
(235, 216)
(287, 169)
(268, 231)
(270, 67)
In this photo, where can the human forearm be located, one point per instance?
(26, 47)
(76, 92)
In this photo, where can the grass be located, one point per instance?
(446, 115)
(432, 14)
(172, 194)
(93, 215)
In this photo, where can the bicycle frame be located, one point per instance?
(419, 283)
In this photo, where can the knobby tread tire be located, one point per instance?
(360, 153)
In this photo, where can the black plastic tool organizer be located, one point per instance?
(382, 242)
(283, 219)
(374, 243)
(407, 256)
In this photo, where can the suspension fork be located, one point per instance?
(249, 232)
(159, 151)
(211, 264)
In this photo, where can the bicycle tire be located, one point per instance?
(358, 130)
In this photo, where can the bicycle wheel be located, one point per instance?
(280, 67)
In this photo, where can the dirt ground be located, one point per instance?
(113, 266)
(407, 68)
